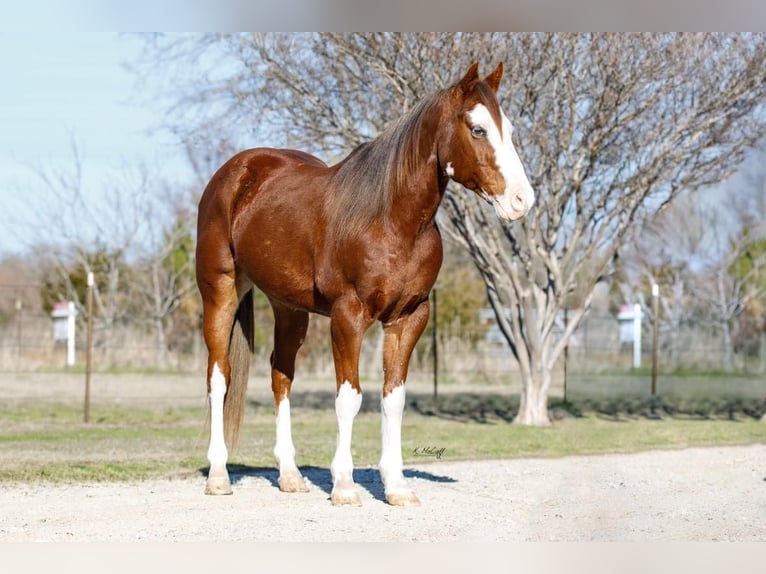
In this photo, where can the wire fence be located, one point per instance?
(31, 339)
(602, 369)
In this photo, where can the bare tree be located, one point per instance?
(613, 127)
(707, 253)
(73, 233)
(727, 288)
(668, 252)
(164, 265)
(130, 232)
(733, 274)
(610, 127)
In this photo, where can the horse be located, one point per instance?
(357, 242)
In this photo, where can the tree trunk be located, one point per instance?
(157, 304)
(728, 349)
(162, 343)
(535, 381)
(726, 342)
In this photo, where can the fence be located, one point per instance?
(27, 343)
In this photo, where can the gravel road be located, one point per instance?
(707, 494)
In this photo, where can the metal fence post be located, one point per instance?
(435, 346)
(19, 306)
(566, 352)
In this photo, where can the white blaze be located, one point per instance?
(518, 196)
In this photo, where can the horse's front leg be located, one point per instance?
(400, 338)
(348, 324)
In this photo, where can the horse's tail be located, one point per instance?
(241, 348)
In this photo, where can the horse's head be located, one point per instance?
(476, 150)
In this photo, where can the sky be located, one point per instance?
(59, 88)
(63, 87)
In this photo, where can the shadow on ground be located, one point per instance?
(497, 407)
(367, 478)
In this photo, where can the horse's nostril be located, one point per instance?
(518, 202)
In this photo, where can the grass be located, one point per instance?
(690, 385)
(49, 441)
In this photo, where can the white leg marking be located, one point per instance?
(290, 479)
(347, 405)
(217, 454)
(284, 449)
(449, 170)
(518, 196)
(391, 409)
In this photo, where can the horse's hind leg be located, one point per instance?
(219, 299)
(290, 328)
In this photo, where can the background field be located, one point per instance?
(151, 425)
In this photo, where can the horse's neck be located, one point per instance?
(414, 207)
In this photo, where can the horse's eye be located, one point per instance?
(478, 132)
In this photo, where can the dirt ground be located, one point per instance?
(707, 494)
(715, 494)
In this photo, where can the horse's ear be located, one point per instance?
(494, 78)
(471, 78)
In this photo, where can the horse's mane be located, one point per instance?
(366, 180)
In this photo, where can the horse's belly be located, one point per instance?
(281, 277)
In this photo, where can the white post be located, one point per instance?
(89, 347)
(70, 333)
(637, 336)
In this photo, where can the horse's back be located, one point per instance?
(249, 169)
(236, 184)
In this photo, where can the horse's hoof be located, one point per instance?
(292, 482)
(345, 497)
(218, 485)
(402, 498)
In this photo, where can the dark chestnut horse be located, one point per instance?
(356, 242)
